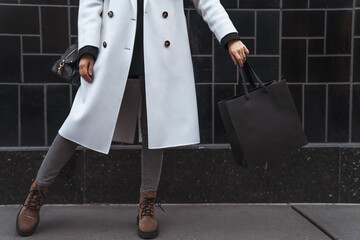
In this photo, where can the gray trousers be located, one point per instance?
(62, 149)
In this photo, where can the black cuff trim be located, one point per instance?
(228, 37)
(90, 50)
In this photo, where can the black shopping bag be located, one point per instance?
(261, 123)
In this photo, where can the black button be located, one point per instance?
(101, 14)
(167, 43)
(104, 44)
(165, 14)
(110, 13)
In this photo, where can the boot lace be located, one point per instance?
(147, 204)
(34, 201)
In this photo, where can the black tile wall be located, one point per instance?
(9, 115)
(329, 69)
(315, 110)
(338, 113)
(302, 23)
(10, 59)
(331, 3)
(306, 42)
(356, 73)
(32, 115)
(294, 60)
(355, 133)
(338, 32)
(313, 44)
(267, 40)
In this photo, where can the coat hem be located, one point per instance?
(84, 145)
(176, 145)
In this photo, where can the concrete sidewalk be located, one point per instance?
(193, 221)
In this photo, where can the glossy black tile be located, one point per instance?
(259, 4)
(47, 2)
(357, 22)
(57, 108)
(295, 3)
(244, 22)
(74, 2)
(37, 69)
(73, 20)
(55, 34)
(296, 93)
(329, 69)
(355, 133)
(356, 70)
(314, 115)
(9, 115)
(331, 3)
(267, 39)
(338, 113)
(204, 101)
(338, 32)
(32, 115)
(293, 61)
(202, 69)
(225, 69)
(200, 35)
(301, 23)
(10, 59)
(229, 3)
(316, 46)
(221, 92)
(28, 23)
(30, 44)
(267, 68)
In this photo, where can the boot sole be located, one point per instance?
(18, 228)
(146, 235)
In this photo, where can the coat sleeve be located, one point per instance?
(229, 37)
(216, 17)
(90, 50)
(89, 22)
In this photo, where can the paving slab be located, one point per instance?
(341, 221)
(180, 221)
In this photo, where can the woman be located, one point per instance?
(100, 112)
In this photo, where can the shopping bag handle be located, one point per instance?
(247, 70)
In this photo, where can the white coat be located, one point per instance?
(172, 115)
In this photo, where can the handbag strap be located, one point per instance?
(247, 70)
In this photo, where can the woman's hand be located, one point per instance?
(238, 51)
(86, 66)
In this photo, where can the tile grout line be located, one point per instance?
(351, 72)
(40, 31)
(19, 115)
(318, 226)
(255, 32)
(212, 91)
(326, 111)
(280, 40)
(45, 116)
(325, 30)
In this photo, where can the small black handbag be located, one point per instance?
(67, 67)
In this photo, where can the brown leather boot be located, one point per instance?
(147, 225)
(29, 215)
